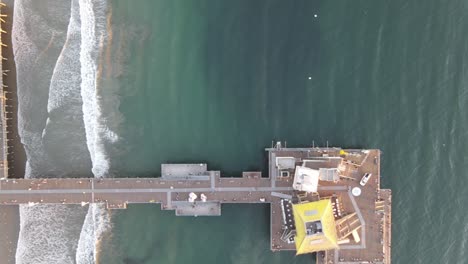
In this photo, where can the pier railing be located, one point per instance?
(3, 104)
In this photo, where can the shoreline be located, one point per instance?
(9, 216)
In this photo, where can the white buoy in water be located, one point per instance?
(315, 15)
(356, 191)
(310, 77)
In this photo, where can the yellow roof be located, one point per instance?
(317, 219)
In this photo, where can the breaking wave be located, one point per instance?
(65, 94)
(98, 90)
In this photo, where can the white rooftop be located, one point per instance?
(306, 179)
(285, 162)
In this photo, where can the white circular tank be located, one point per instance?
(356, 191)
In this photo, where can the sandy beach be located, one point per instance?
(9, 232)
(9, 215)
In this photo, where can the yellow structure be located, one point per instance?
(315, 227)
(343, 153)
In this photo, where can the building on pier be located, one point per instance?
(315, 227)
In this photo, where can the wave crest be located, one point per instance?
(61, 100)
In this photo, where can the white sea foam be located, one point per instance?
(97, 222)
(99, 117)
(59, 101)
(100, 104)
(37, 44)
(48, 234)
(65, 117)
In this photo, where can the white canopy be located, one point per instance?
(306, 179)
(192, 197)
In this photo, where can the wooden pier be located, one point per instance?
(192, 190)
(3, 105)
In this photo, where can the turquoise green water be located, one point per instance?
(216, 81)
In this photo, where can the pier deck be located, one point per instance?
(172, 190)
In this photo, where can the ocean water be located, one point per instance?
(115, 88)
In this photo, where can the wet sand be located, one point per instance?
(9, 233)
(9, 215)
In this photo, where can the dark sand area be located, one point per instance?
(9, 215)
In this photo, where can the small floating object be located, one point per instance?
(310, 77)
(315, 15)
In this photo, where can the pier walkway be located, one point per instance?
(192, 190)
